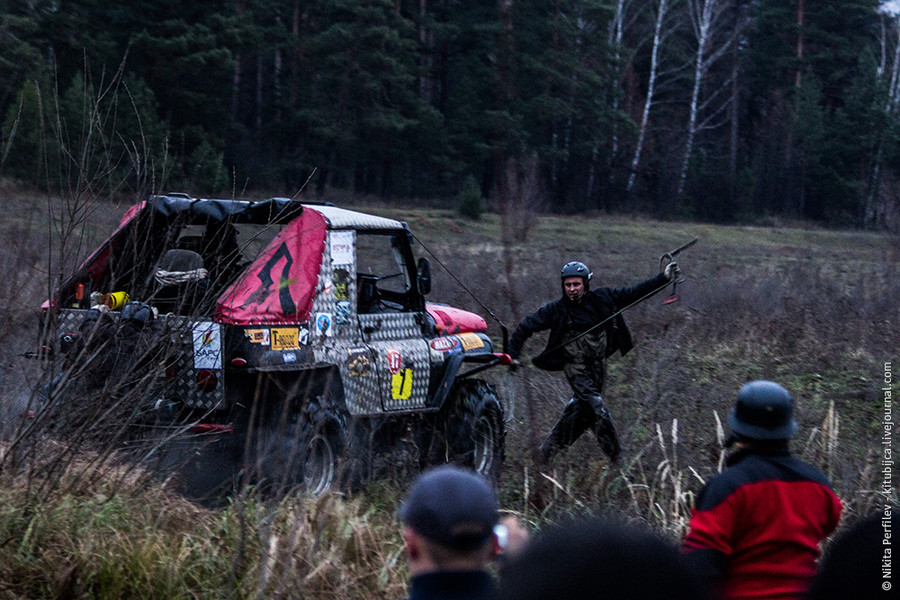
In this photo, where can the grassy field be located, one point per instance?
(816, 310)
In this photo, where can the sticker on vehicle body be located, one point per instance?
(258, 336)
(324, 325)
(470, 341)
(341, 280)
(443, 344)
(358, 363)
(341, 247)
(401, 384)
(394, 361)
(207, 346)
(285, 338)
(289, 357)
(342, 312)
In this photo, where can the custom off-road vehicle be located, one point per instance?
(295, 336)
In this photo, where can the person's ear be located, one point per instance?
(411, 540)
(496, 547)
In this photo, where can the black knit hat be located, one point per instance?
(451, 506)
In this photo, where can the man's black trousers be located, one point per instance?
(586, 371)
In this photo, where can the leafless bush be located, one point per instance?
(518, 198)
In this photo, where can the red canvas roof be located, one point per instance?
(280, 285)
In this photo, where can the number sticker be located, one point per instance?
(401, 384)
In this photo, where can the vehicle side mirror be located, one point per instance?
(423, 277)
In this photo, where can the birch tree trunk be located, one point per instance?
(614, 39)
(705, 17)
(662, 8)
(735, 94)
(870, 211)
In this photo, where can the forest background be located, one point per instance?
(657, 121)
(720, 110)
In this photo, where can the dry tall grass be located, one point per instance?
(123, 536)
(815, 310)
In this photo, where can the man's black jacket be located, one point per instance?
(453, 585)
(599, 304)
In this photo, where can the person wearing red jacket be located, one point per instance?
(756, 528)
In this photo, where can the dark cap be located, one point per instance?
(451, 506)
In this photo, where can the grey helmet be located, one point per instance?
(764, 411)
(576, 269)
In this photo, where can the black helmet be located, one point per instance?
(576, 269)
(138, 312)
(764, 411)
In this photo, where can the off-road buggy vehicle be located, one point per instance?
(295, 336)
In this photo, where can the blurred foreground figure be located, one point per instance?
(757, 526)
(857, 563)
(596, 558)
(449, 520)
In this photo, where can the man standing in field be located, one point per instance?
(583, 334)
(757, 526)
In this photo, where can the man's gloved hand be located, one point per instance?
(672, 271)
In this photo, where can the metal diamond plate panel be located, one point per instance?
(177, 333)
(403, 369)
(402, 358)
(70, 319)
(383, 360)
(390, 326)
(184, 386)
(341, 218)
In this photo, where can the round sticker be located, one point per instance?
(394, 361)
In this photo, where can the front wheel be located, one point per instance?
(470, 428)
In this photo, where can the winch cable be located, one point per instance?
(510, 388)
(463, 286)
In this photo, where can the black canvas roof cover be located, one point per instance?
(273, 210)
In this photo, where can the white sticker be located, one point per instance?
(341, 247)
(207, 346)
(289, 357)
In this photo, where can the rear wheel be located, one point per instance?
(320, 445)
(320, 464)
(298, 438)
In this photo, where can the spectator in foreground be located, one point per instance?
(449, 520)
(757, 526)
(854, 563)
(599, 558)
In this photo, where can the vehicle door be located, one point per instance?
(390, 318)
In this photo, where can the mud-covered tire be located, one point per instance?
(322, 441)
(470, 428)
(299, 449)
